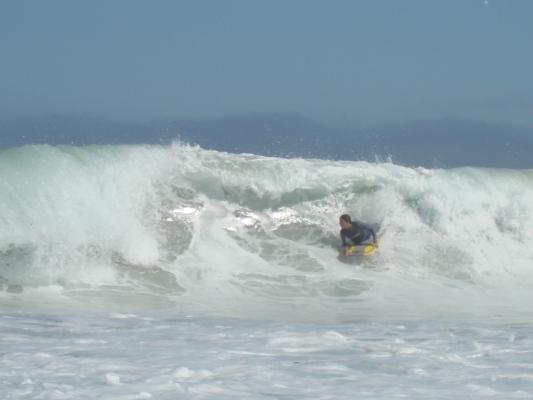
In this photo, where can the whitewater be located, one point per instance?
(178, 272)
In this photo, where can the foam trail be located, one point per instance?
(242, 235)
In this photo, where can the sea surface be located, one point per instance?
(174, 272)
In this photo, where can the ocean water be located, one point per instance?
(169, 272)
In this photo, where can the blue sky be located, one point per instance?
(363, 61)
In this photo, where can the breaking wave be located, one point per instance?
(183, 228)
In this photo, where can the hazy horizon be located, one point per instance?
(441, 143)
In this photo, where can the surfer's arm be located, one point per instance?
(373, 233)
(346, 242)
(374, 238)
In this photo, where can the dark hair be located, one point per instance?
(346, 218)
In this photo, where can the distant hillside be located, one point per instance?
(58, 130)
(455, 142)
(441, 143)
(270, 134)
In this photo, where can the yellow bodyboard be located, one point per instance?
(361, 250)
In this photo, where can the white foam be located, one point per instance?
(180, 357)
(186, 374)
(112, 379)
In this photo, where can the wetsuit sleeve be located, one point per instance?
(345, 240)
(374, 238)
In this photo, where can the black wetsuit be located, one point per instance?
(357, 234)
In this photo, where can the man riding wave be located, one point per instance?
(355, 233)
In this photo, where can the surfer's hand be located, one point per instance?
(376, 245)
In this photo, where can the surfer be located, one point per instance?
(355, 233)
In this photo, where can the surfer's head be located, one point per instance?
(345, 221)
